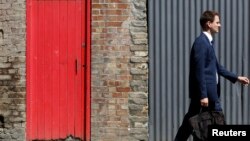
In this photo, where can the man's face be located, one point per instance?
(215, 25)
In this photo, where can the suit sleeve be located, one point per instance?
(200, 55)
(226, 74)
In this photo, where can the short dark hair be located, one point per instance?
(207, 16)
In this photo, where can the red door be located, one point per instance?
(58, 69)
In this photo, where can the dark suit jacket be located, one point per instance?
(203, 68)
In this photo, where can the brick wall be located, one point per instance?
(12, 70)
(119, 70)
(110, 69)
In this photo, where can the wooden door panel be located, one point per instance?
(80, 87)
(56, 69)
(39, 44)
(63, 41)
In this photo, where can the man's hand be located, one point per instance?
(243, 80)
(204, 102)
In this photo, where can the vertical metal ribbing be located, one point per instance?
(173, 26)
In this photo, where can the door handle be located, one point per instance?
(76, 66)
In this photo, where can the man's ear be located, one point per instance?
(209, 24)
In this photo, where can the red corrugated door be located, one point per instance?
(57, 76)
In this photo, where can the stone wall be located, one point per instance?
(138, 97)
(12, 70)
(119, 71)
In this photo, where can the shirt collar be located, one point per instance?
(209, 36)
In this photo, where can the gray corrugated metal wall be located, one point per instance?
(173, 26)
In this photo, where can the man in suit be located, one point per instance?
(204, 85)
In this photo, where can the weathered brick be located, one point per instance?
(5, 65)
(4, 6)
(5, 77)
(123, 89)
(3, 59)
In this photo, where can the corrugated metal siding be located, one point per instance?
(173, 26)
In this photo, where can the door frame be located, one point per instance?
(88, 68)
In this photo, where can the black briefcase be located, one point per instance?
(201, 121)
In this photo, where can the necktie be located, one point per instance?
(212, 43)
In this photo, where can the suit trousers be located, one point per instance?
(185, 129)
